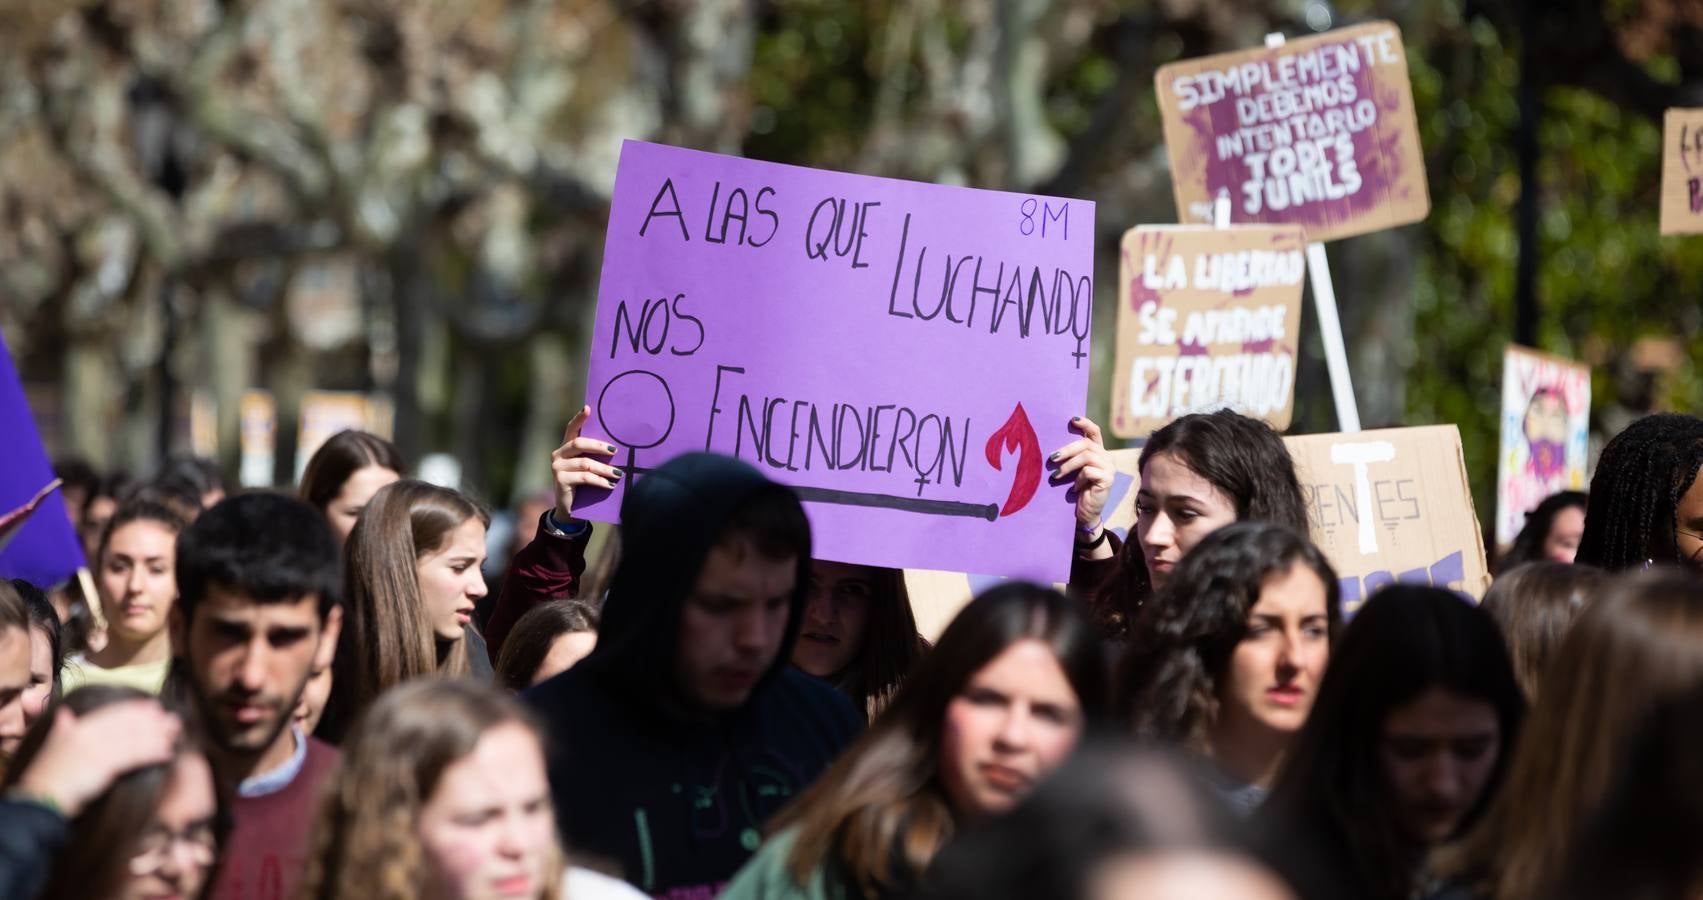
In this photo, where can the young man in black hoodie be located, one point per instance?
(686, 728)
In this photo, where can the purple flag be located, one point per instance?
(902, 354)
(43, 549)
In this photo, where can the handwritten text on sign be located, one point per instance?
(900, 353)
(1207, 318)
(1319, 133)
(1682, 171)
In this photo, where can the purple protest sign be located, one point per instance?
(901, 353)
(39, 545)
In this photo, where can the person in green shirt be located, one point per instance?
(1015, 681)
(135, 577)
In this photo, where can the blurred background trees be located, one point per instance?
(406, 198)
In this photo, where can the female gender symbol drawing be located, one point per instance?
(635, 401)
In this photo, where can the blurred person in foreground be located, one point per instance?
(1534, 605)
(1407, 744)
(673, 743)
(441, 793)
(1115, 822)
(258, 613)
(1642, 843)
(155, 831)
(1017, 680)
(66, 828)
(1640, 643)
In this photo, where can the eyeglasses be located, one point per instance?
(158, 843)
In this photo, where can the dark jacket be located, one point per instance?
(30, 835)
(676, 797)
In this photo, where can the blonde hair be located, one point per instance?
(365, 842)
(387, 635)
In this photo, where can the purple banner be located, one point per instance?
(44, 548)
(902, 353)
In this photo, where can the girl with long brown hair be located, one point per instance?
(345, 472)
(1639, 644)
(441, 792)
(1015, 681)
(412, 569)
(859, 633)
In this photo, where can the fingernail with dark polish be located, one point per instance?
(619, 474)
(1053, 458)
(611, 447)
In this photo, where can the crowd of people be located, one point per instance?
(317, 695)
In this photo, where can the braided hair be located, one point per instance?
(1635, 494)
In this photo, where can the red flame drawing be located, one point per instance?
(1017, 434)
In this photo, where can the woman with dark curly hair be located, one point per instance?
(1225, 660)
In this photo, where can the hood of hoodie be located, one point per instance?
(670, 519)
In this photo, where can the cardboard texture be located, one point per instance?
(1207, 319)
(1319, 132)
(1387, 505)
(900, 353)
(1546, 417)
(1392, 505)
(1682, 171)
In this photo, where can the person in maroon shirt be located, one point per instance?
(259, 578)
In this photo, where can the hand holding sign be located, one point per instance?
(897, 353)
(1091, 463)
(572, 466)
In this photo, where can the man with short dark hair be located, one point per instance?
(685, 729)
(259, 579)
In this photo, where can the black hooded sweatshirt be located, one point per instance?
(675, 796)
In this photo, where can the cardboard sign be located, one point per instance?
(1392, 505)
(1207, 319)
(40, 545)
(1384, 506)
(900, 353)
(1546, 415)
(1682, 171)
(1319, 132)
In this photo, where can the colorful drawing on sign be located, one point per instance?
(1319, 132)
(1208, 318)
(1546, 413)
(900, 353)
(1682, 171)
